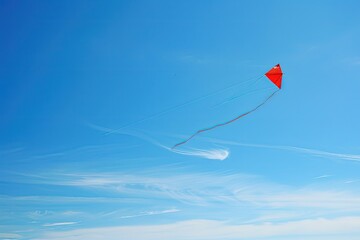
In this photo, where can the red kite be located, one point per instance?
(274, 75)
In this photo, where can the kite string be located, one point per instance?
(238, 96)
(185, 104)
(225, 123)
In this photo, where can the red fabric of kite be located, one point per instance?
(275, 75)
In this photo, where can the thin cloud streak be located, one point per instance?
(205, 189)
(66, 200)
(236, 193)
(323, 176)
(5, 236)
(59, 224)
(213, 230)
(150, 213)
(222, 153)
(314, 152)
(212, 154)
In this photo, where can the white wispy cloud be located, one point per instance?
(347, 227)
(222, 153)
(323, 176)
(314, 152)
(219, 153)
(5, 236)
(245, 199)
(352, 181)
(304, 198)
(319, 153)
(150, 213)
(207, 188)
(90, 149)
(60, 199)
(58, 224)
(45, 214)
(214, 154)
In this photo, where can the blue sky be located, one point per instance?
(93, 95)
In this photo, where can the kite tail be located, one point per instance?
(225, 123)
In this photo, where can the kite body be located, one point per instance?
(275, 75)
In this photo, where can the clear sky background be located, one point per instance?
(74, 73)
